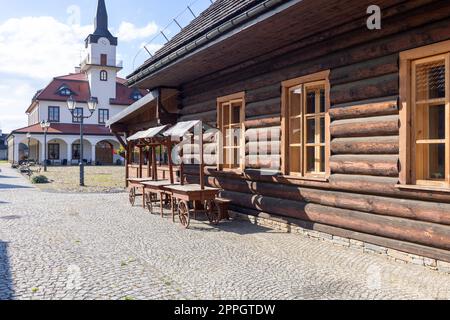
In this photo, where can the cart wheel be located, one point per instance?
(212, 213)
(149, 202)
(184, 214)
(132, 196)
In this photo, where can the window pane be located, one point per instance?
(295, 131)
(236, 135)
(236, 112)
(311, 130)
(430, 80)
(322, 130)
(226, 114)
(322, 100)
(294, 159)
(310, 101)
(322, 159)
(436, 161)
(436, 122)
(295, 102)
(311, 159)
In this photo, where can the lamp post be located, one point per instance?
(45, 125)
(92, 106)
(29, 150)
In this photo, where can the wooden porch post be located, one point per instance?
(154, 170)
(149, 162)
(169, 152)
(127, 163)
(141, 162)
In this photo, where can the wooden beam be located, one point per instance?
(121, 141)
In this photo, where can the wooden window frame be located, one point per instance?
(316, 78)
(407, 177)
(103, 75)
(100, 116)
(240, 96)
(50, 146)
(76, 146)
(59, 114)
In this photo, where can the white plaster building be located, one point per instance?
(96, 77)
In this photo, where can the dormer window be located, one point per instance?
(65, 91)
(103, 75)
(136, 96)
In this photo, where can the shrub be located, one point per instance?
(39, 180)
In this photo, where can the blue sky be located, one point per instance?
(43, 39)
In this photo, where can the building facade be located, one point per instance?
(343, 127)
(96, 77)
(3, 146)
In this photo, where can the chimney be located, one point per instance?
(77, 69)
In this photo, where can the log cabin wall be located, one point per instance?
(360, 200)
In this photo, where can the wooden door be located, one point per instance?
(104, 153)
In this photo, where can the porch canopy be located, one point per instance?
(151, 133)
(177, 132)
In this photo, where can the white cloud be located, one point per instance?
(14, 100)
(129, 32)
(40, 47)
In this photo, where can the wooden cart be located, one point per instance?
(156, 191)
(185, 195)
(136, 189)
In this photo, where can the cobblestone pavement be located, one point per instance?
(95, 246)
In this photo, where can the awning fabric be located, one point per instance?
(147, 134)
(181, 128)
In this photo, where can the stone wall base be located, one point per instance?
(398, 256)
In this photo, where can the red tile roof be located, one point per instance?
(66, 129)
(78, 83)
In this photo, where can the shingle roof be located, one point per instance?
(78, 83)
(218, 13)
(66, 128)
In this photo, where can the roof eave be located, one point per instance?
(259, 13)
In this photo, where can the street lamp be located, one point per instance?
(45, 125)
(29, 150)
(92, 106)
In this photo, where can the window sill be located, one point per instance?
(422, 188)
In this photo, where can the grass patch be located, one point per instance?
(39, 180)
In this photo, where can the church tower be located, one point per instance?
(100, 64)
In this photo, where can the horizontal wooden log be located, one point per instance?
(424, 233)
(209, 117)
(263, 122)
(368, 145)
(263, 134)
(264, 93)
(424, 251)
(402, 208)
(263, 148)
(210, 160)
(357, 184)
(263, 162)
(209, 148)
(364, 70)
(205, 106)
(366, 127)
(264, 107)
(387, 85)
(374, 165)
(374, 109)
